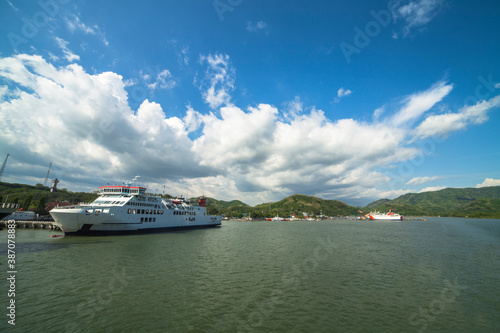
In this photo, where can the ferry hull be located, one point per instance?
(78, 222)
(116, 232)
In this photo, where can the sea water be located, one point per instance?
(438, 275)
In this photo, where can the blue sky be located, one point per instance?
(252, 100)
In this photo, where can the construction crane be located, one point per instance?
(3, 167)
(47, 178)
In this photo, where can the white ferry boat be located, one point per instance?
(389, 216)
(127, 209)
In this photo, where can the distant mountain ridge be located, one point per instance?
(460, 202)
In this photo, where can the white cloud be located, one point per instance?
(183, 55)
(489, 182)
(161, 79)
(84, 124)
(218, 81)
(421, 180)
(432, 189)
(12, 6)
(68, 54)
(416, 14)
(305, 155)
(256, 26)
(443, 124)
(181, 51)
(74, 23)
(415, 105)
(342, 92)
(293, 108)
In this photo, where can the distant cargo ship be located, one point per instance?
(127, 209)
(380, 216)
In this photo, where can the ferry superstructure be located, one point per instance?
(127, 209)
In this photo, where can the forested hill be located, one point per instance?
(29, 196)
(299, 203)
(460, 202)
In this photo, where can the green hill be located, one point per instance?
(460, 202)
(11, 192)
(234, 208)
(471, 202)
(299, 203)
(36, 197)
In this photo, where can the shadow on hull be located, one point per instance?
(85, 230)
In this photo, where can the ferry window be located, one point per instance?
(133, 211)
(142, 219)
(154, 219)
(129, 211)
(142, 211)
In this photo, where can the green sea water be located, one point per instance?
(439, 275)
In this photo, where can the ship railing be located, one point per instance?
(10, 205)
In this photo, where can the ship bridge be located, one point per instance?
(122, 189)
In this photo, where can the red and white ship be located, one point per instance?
(380, 216)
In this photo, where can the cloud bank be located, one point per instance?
(83, 123)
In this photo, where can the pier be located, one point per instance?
(32, 224)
